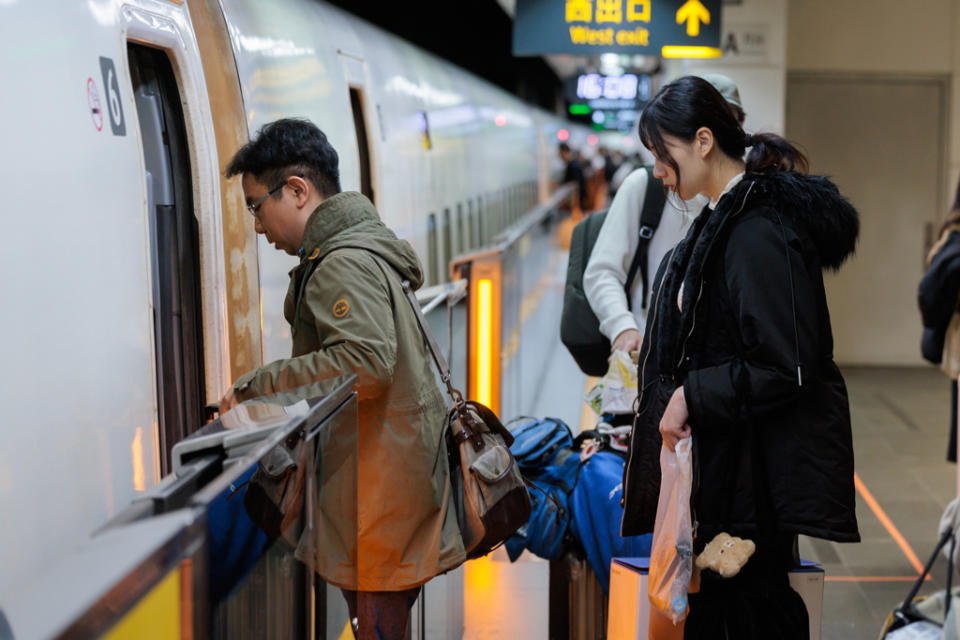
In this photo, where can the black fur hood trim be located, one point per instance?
(815, 203)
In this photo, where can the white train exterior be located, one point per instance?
(452, 160)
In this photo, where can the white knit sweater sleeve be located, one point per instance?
(606, 272)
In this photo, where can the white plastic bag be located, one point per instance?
(619, 385)
(671, 552)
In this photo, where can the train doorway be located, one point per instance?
(174, 249)
(363, 144)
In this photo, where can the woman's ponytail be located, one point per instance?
(770, 153)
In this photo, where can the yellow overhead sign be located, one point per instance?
(591, 27)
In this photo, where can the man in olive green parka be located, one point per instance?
(348, 314)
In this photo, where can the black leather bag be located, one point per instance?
(579, 326)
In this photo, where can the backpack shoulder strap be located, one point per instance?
(653, 200)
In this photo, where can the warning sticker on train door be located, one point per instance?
(114, 105)
(93, 100)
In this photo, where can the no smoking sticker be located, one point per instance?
(93, 100)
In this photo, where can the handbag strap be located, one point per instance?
(434, 348)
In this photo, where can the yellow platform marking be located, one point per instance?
(347, 633)
(155, 617)
(528, 305)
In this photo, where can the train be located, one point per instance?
(136, 287)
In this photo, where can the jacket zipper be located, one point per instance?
(643, 378)
(693, 326)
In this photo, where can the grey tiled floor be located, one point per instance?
(900, 419)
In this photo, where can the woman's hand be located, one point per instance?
(673, 425)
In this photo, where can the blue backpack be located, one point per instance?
(547, 532)
(537, 442)
(543, 449)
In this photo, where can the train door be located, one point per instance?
(184, 245)
(174, 248)
(363, 146)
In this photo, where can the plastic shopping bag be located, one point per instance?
(616, 391)
(671, 553)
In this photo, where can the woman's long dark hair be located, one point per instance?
(680, 108)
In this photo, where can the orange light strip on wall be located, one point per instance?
(484, 341)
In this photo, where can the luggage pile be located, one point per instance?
(575, 487)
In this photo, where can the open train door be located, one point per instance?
(173, 122)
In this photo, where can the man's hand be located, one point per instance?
(229, 401)
(628, 340)
(673, 425)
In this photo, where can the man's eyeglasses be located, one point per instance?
(252, 208)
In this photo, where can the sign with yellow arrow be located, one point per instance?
(671, 28)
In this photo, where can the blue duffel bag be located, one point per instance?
(596, 513)
(537, 441)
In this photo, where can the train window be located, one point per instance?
(461, 230)
(174, 249)
(447, 240)
(433, 253)
(363, 146)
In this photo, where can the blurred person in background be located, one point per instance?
(573, 171)
(938, 295)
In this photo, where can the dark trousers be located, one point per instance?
(381, 615)
(756, 603)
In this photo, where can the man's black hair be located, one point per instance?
(563, 146)
(288, 147)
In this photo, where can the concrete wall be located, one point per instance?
(883, 51)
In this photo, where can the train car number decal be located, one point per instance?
(93, 100)
(114, 104)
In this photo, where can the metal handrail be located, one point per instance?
(431, 297)
(516, 231)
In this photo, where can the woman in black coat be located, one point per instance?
(939, 299)
(738, 353)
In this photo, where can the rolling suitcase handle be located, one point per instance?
(900, 614)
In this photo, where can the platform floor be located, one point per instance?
(900, 419)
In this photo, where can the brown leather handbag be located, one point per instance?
(491, 498)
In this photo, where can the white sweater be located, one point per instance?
(606, 272)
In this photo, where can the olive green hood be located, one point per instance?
(349, 219)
